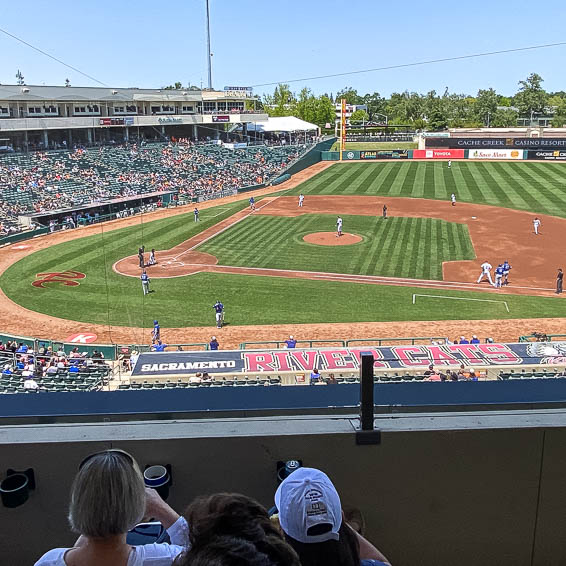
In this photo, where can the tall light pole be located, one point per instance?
(209, 54)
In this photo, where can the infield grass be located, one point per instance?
(536, 187)
(396, 247)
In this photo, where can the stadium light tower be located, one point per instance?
(209, 54)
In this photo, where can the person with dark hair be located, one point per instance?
(238, 516)
(310, 515)
(224, 551)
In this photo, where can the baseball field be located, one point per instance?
(283, 264)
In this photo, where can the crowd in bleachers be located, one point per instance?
(307, 526)
(45, 181)
(24, 370)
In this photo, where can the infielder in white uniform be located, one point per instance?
(536, 225)
(338, 226)
(486, 272)
(301, 199)
(453, 199)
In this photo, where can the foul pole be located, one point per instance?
(343, 129)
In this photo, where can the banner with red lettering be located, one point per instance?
(347, 359)
(439, 153)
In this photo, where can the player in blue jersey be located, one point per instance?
(498, 275)
(145, 282)
(156, 332)
(219, 310)
(506, 270)
(252, 204)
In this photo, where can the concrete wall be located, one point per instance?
(441, 489)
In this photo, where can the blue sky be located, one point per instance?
(151, 44)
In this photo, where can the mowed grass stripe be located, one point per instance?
(376, 243)
(400, 247)
(417, 265)
(417, 190)
(429, 181)
(527, 195)
(401, 178)
(383, 257)
(545, 193)
(510, 193)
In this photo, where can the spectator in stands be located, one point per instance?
(310, 515)
(7, 370)
(238, 516)
(463, 340)
(332, 380)
(315, 376)
(213, 344)
(291, 342)
(30, 384)
(474, 340)
(108, 498)
(159, 347)
(225, 551)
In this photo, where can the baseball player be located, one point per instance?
(536, 225)
(152, 260)
(141, 258)
(196, 213)
(449, 163)
(156, 332)
(219, 309)
(559, 280)
(252, 204)
(301, 200)
(338, 226)
(486, 268)
(384, 213)
(506, 270)
(453, 198)
(498, 275)
(145, 282)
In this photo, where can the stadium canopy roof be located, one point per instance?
(281, 124)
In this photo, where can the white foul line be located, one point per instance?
(415, 295)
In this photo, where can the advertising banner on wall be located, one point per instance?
(346, 359)
(438, 154)
(220, 119)
(548, 155)
(386, 154)
(495, 154)
(498, 143)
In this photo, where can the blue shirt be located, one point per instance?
(464, 341)
(144, 277)
(291, 343)
(160, 347)
(499, 270)
(506, 266)
(314, 377)
(214, 345)
(218, 307)
(475, 341)
(252, 200)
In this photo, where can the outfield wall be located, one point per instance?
(448, 153)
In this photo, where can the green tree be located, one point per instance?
(375, 104)
(306, 105)
(504, 118)
(486, 105)
(359, 116)
(559, 119)
(176, 86)
(350, 94)
(325, 111)
(281, 103)
(531, 97)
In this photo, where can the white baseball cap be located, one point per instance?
(305, 499)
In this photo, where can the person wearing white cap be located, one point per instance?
(291, 342)
(310, 515)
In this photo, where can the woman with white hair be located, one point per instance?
(108, 498)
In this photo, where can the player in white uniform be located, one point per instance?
(485, 272)
(449, 164)
(536, 225)
(301, 199)
(453, 199)
(338, 226)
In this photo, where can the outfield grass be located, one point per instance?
(375, 145)
(536, 187)
(396, 247)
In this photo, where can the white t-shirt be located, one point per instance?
(146, 555)
(486, 267)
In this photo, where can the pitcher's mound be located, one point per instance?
(330, 239)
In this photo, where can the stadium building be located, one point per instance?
(54, 117)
